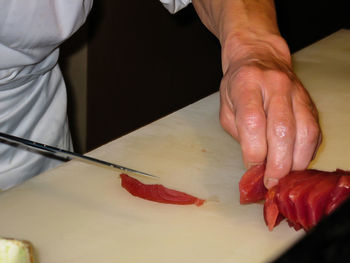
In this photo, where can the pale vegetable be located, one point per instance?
(15, 251)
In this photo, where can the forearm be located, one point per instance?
(237, 22)
(226, 17)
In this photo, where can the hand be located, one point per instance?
(265, 107)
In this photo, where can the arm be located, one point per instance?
(263, 104)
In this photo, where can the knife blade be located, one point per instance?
(69, 155)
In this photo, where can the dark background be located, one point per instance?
(144, 63)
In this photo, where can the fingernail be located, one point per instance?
(250, 165)
(271, 182)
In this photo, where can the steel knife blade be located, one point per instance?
(69, 155)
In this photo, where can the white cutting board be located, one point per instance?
(80, 213)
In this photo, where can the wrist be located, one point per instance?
(250, 44)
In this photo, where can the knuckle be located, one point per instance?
(310, 133)
(251, 119)
(279, 168)
(283, 129)
(281, 81)
(245, 74)
(280, 76)
(254, 152)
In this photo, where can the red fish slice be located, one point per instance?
(251, 185)
(289, 197)
(272, 214)
(340, 193)
(158, 193)
(319, 198)
(298, 195)
(303, 197)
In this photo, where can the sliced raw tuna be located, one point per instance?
(287, 197)
(319, 198)
(302, 197)
(298, 195)
(251, 186)
(272, 214)
(341, 192)
(158, 193)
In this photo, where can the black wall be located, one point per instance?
(303, 22)
(144, 63)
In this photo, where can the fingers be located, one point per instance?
(293, 131)
(281, 134)
(227, 117)
(243, 116)
(251, 126)
(274, 120)
(308, 137)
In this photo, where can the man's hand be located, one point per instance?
(266, 108)
(263, 104)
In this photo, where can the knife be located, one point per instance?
(69, 155)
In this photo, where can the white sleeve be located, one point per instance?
(33, 28)
(175, 5)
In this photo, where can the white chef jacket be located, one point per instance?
(175, 5)
(32, 91)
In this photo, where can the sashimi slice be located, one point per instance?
(302, 197)
(341, 192)
(298, 196)
(319, 198)
(286, 194)
(251, 185)
(271, 212)
(296, 226)
(158, 193)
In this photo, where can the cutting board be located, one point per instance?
(80, 213)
